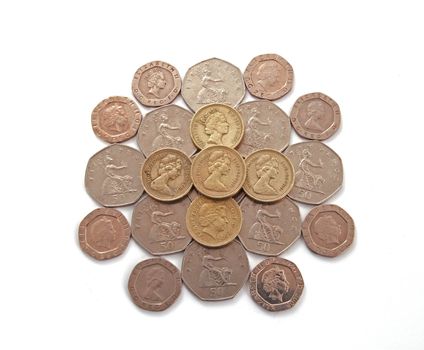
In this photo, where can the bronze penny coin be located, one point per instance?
(328, 230)
(216, 124)
(218, 172)
(276, 284)
(156, 84)
(166, 174)
(112, 176)
(160, 227)
(315, 116)
(268, 76)
(116, 119)
(213, 222)
(318, 172)
(154, 284)
(104, 233)
(269, 228)
(269, 175)
(215, 273)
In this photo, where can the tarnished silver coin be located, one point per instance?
(318, 172)
(112, 176)
(269, 228)
(213, 81)
(166, 127)
(266, 126)
(215, 273)
(159, 227)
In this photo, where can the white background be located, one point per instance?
(59, 60)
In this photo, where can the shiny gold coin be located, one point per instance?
(269, 175)
(213, 222)
(166, 174)
(218, 172)
(216, 124)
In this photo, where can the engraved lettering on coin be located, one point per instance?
(315, 116)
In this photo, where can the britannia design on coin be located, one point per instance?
(269, 175)
(111, 177)
(216, 124)
(104, 233)
(315, 116)
(154, 284)
(212, 81)
(156, 83)
(318, 172)
(116, 119)
(328, 230)
(215, 274)
(166, 174)
(269, 76)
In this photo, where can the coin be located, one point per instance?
(154, 284)
(116, 119)
(112, 176)
(212, 81)
(159, 227)
(269, 175)
(193, 194)
(216, 124)
(213, 222)
(215, 273)
(166, 127)
(328, 230)
(269, 228)
(318, 172)
(218, 172)
(104, 233)
(156, 84)
(267, 126)
(276, 284)
(166, 174)
(268, 76)
(315, 116)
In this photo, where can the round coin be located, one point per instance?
(104, 233)
(218, 172)
(268, 76)
(159, 227)
(315, 116)
(154, 284)
(276, 284)
(166, 127)
(215, 273)
(156, 84)
(166, 174)
(116, 119)
(269, 228)
(213, 81)
(213, 222)
(318, 172)
(112, 176)
(328, 230)
(267, 126)
(216, 124)
(269, 175)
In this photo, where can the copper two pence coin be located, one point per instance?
(156, 84)
(112, 176)
(104, 233)
(215, 273)
(160, 227)
(328, 230)
(269, 76)
(315, 116)
(154, 284)
(116, 119)
(276, 284)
